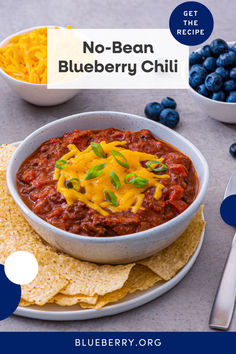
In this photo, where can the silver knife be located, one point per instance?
(223, 307)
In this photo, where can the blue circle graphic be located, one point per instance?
(228, 210)
(10, 295)
(191, 23)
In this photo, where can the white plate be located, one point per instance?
(53, 312)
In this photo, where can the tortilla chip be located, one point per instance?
(69, 300)
(169, 261)
(6, 152)
(24, 303)
(46, 285)
(140, 278)
(89, 278)
(15, 231)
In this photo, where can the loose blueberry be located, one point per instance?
(233, 48)
(195, 58)
(210, 64)
(197, 75)
(213, 82)
(169, 102)
(218, 96)
(224, 73)
(169, 117)
(226, 59)
(206, 51)
(232, 73)
(232, 97)
(232, 150)
(202, 90)
(153, 110)
(230, 85)
(218, 46)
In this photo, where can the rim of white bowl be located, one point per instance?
(115, 239)
(207, 98)
(4, 41)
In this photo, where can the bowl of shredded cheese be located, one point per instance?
(23, 64)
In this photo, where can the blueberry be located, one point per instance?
(232, 97)
(206, 51)
(210, 64)
(169, 117)
(230, 85)
(224, 73)
(195, 58)
(169, 102)
(202, 90)
(196, 66)
(226, 59)
(232, 150)
(218, 46)
(218, 96)
(153, 110)
(197, 75)
(233, 56)
(232, 73)
(233, 48)
(213, 82)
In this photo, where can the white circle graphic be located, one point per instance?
(21, 267)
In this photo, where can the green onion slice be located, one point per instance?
(158, 169)
(71, 185)
(61, 164)
(136, 180)
(127, 179)
(115, 181)
(140, 181)
(95, 171)
(117, 154)
(98, 150)
(110, 198)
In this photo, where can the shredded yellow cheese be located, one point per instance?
(92, 192)
(25, 56)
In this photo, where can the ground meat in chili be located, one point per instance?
(38, 189)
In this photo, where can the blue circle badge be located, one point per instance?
(10, 295)
(228, 210)
(191, 23)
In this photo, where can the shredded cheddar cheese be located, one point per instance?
(25, 56)
(92, 191)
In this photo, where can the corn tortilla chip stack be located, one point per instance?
(141, 278)
(67, 281)
(167, 262)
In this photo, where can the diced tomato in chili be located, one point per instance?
(179, 205)
(175, 192)
(28, 176)
(178, 168)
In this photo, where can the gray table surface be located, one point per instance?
(187, 306)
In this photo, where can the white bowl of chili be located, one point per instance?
(107, 249)
(35, 93)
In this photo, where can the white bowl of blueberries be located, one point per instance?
(212, 79)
